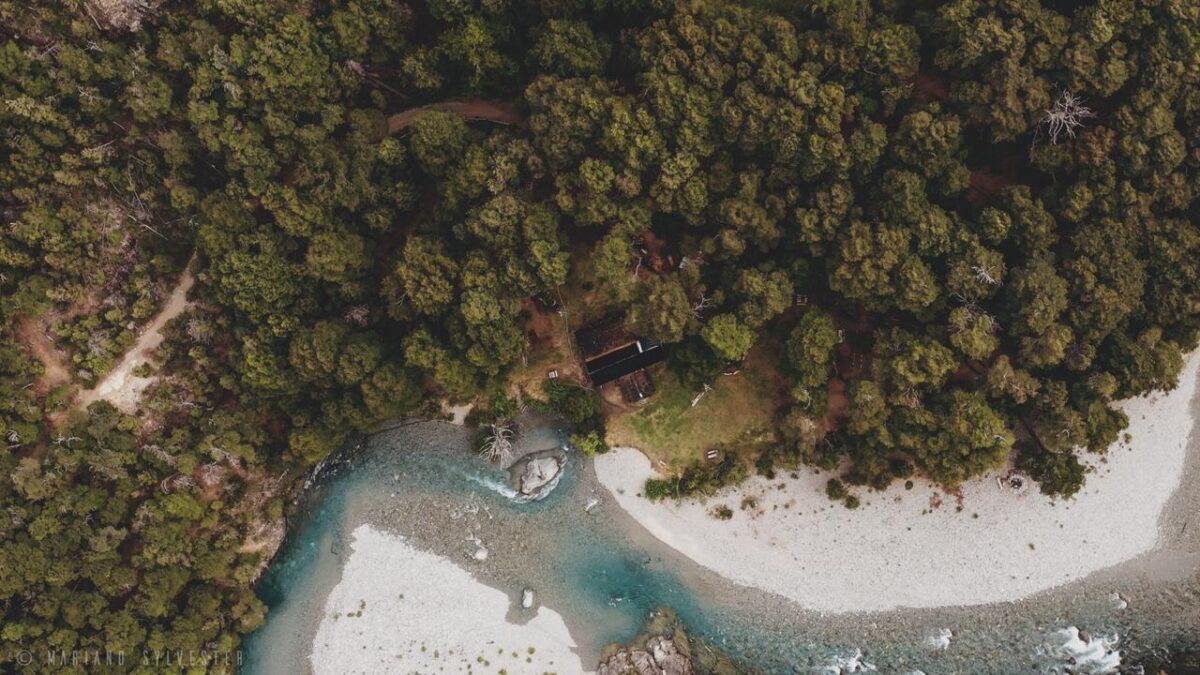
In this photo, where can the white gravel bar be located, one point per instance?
(917, 548)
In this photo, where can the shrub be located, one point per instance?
(656, 490)
(699, 478)
(504, 407)
(575, 403)
(590, 444)
(835, 489)
(765, 465)
(1059, 474)
(581, 408)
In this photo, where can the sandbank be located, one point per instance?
(398, 609)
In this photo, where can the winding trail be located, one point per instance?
(120, 386)
(500, 112)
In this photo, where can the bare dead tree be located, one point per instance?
(984, 275)
(901, 90)
(88, 94)
(366, 75)
(358, 315)
(1065, 116)
(211, 473)
(704, 303)
(221, 455)
(976, 315)
(696, 259)
(199, 330)
(498, 443)
(88, 8)
(162, 455)
(178, 481)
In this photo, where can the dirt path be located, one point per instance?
(500, 112)
(120, 386)
(32, 333)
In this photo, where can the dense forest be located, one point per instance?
(971, 226)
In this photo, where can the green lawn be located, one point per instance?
(736, 414)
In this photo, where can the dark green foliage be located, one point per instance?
(728, 337)
(663, 311)
(569, 48)
(571, 401)
(998, 286)
(810, 348)
(696, 363)
(1057, 474)
(721, 512)
(590, 443)
(836, 489)
(580, 407)
(700, 478)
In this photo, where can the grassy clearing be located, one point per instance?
(736, 414)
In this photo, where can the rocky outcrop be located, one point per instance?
(538, 473)
(535, 475)
(660, 656)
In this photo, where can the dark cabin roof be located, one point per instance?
(603, 337)
(610, 351)
(624, 361)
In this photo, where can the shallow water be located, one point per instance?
(605, 575)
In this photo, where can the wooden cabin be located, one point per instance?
(611, 353)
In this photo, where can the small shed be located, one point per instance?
(636, 386)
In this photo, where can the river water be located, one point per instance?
(591, 563)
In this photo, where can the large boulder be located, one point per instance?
(538, 473)
(667, 657)
(661, 656)
(535, 475)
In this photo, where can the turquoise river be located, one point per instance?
(594, 565)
